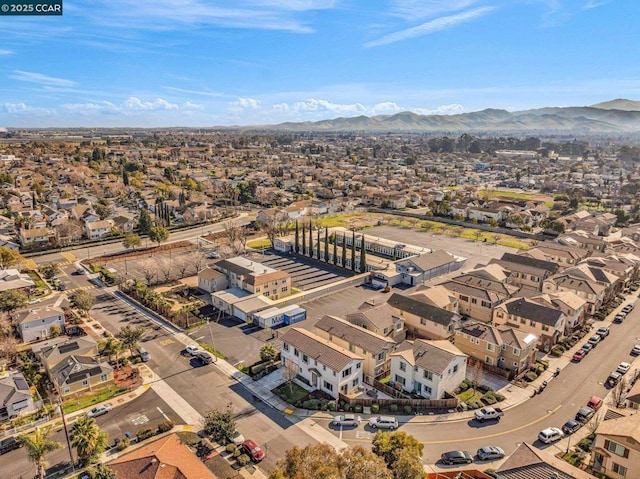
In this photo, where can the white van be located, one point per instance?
(144, 355)
(551, 434)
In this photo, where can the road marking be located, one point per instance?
(363, 435)
(163, 414)
(68, 256)
(199, 338)
(167, 342)
(140, 420)
(288, 411)
(29, 263)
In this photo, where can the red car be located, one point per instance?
(252, 450)
(579, 355)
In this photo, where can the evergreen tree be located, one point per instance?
(145, 223)
(326, 245)
(353, 251)
(125, 177)
(363, 256)
(344, 249)
(310, 240)
(297, 243)
(335, 249)
(304, 240)
(318, 245)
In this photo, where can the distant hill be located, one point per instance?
(619, 104)
(616, 116)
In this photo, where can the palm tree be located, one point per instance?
(38, 445)
(112, 347)
(88, 440)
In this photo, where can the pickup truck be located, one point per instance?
(487, 413)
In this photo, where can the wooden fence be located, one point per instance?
(505, 373)
(415, 404)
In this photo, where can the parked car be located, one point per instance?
(595, 402)
(457, 457)
(383, 422)
(619, 318)
(571, 426)
(214, 255)
(9, 444)
(579, 355)
(623, 368)
(635, 350)
(237, 438)
(251, 449)
(550, 434)
(346, 420)
(628, 308)
(584, 414)
(99, 410)
(594, 340)
(192, 350)
(586, 347)
(144, 354)
(204, 357)
(489, 453)
(487, 413)
(603, 332)
(613, 379)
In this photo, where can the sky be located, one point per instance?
(155, 63)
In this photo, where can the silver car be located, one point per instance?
(383, 422)
(346, 420)
(490, 452)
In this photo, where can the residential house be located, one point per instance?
(583, 240)
(424, 267)
(438, 296)
(166, 458)
(77, 374)
(35, 237)
(375, 349)
(423, 320)
(632, 400)
(572, 305)
(525, 271)
(211, 280)
(501, 346)
(98, 229)
(528, 462)
(587, 289)
(321, 364)
(15, 396)
(35, 324)
(428, 368)
(564, 256)
(616, 449)
(12, 279)
(255, 277)
(379, 318)
(546, 322)
(52, 355)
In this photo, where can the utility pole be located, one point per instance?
(64, 424)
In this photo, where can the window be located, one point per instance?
(616, 448)
(474, 301)
(358, 365)
(346, 372)
(344, 389)
(423, 321)
(266, 293)
(381, 356)
(403, 366)
(355, 382)
(284, 290)
(486, 304)
(401, 380)
(305, 358)
(296, 352)
(427, 389)
(500, 314)
(490, 347)
(464, 298)
(523, 321)
(328, 386)
(285, 346)
(85, 382)
(428, 375)
(455, 369)
(103, 377)
(618, 469)
(66, 390)
(488, 360)
(545, 328)
(516, 352)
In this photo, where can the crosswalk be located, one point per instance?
(70, 257)
(81, 288)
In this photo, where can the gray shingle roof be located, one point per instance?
(533, 311)
(421, 309)
(370, 342)
(434, 356)
(332, 356)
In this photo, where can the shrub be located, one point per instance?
(483, 388)
(122, 444)
(358, 408)
(375, 408)
(407, 409)
(489, 400)
(243, 460)
(237, 452)
(499, 397)
(310, 404)
(463, 387)
(557, 351)
(393, 407)
(231, 448)
(144, 434)
(530, 376)
(165, 426)
(331, 406)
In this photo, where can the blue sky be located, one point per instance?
(152, 63)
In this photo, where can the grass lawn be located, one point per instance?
(470, 395)
(208, 347)
(37, 280)
(71, 405)
(259, 243)
(290, 392)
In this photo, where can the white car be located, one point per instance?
(237, 438)
(346, 420)
(549, 435)
(383, 422)
(623, 368)
(192, 350)
(635, 350)
(99, 410)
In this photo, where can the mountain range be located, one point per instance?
(615, 116)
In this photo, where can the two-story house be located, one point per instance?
(12, 279)
(423, 320)
(572, 305)
(525, 271)
(564, 256)
(78, 374)
(546, 322)
(616, 449)
(15, 396)
(320, 363)
(587, 289)
(35, 324)
(211, 280)
(255, 277)
(428, 368)
(375, 349)
(98, 229)
(501, 346)
(380, 318)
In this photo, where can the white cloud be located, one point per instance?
(282, 107)
(33, 77)
(194, 92)
(91, 107)
(24, 109)
(242, 104)
(6, 52)
(187, 105)
(453, 109)
(385, 108)
(133, 103)
(432, 26)
(316, 105)
(415, 9)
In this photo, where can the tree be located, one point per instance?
(88, 440)
(83, 300)
(268, 352)
(158, 234)
(310, 240)
(297, 239)
(304, 240)
(344, 250)
(111, 347)
(353, 251)
(619, 393)
(335, 250)
(220, 425)
(408, 466)
(38, 445)
(145, 223)
(8, 257)
(130, 337)
(359, 463)
(12, 300)
(326, 245)
(101, 472)
(131, 241)
(50, 270)
(390, 445)
(476, 373)
(363, 256)
(318, 245)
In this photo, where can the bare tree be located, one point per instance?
(196, 260)
(165, 265)
(273, 225)
(289, 372)
(149, 270)
(182, 265)
(595, 422)
(475, 371)
(619, 393)
(232, 231)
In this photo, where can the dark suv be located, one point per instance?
(9, 444)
